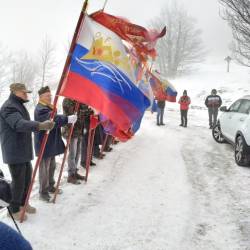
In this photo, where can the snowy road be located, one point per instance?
(169, 188)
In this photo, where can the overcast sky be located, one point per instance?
(24, 23)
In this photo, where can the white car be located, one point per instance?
(233, 126)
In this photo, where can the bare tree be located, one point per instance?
(23, 70)
(237, 14)
(182, 46)
(46, 62)
(5, 58)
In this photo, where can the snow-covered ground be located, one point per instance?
(168, 188)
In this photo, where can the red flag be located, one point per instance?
(142, 39)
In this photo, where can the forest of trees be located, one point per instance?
(33, 70)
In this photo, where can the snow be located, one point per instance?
(168, 188)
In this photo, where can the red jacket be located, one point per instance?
(184, 102)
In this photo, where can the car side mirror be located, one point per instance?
(224, 109)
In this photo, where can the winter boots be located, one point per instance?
(17, 216)
(75, 179)
(30, 209)
(52, 190)
(45, 197)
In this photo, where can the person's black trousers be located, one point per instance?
(184, 117)
(21, 178)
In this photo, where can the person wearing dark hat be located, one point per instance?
(16, 144)
(213, 102)
(55, 145)
(184, 102)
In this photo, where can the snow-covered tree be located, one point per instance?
(182, 46)
(46, 63)
(237, 14)
(24, 70)
(5, 58)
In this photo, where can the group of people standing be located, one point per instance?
(212, 102)
(16, 129)
(184, 102)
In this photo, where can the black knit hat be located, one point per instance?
(43, 90)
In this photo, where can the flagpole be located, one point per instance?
(104, 143)
(151, 66)
(53, 113)
(105, 3)
(92, 127)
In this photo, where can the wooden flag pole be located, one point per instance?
(104, 143)
(53, 113)
(89, 151)
(65, 154)
(105, 3)
(92, 127)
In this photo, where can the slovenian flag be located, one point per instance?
(100, 75)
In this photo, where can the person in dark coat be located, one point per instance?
(55, 145)
(213, 102)
(12, 240)
(184, 102)
(16, 144)
(160, 112)
(76, 139)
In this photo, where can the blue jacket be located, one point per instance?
(15, 131)
(12, 240)
(55, 144)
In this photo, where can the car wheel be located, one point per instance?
(217, 134)
(240, 154)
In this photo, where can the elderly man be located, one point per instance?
(16, 144)
(54, 146)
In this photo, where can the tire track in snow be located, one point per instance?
(220, 208)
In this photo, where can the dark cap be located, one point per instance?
(184, 92)
(214, 91)
(19, 87)
(43, 90)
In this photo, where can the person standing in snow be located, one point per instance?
(184, 102)
(16, 144)
(213, 102)
(160, 112)
(54, 146)
(76, 139)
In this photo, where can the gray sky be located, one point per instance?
(24, 23)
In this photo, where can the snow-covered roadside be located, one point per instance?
(134, 200)
(168, 188)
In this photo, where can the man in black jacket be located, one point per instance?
(213, 102)
(16, 144)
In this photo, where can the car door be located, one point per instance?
(238, 119)
(241, 119)
(227, 117)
